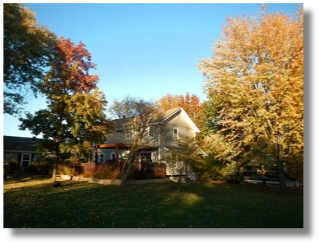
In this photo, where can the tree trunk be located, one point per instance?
(126, 168)
(54, 172)
(96, 155)
(57, 152)
(281, 172)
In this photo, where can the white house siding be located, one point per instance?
(182, 123)
(174, 118)
(186, 129)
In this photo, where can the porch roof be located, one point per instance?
(113, 145)
(122, 145)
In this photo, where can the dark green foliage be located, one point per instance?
(27, 50)
(12, 169)
(41, 167)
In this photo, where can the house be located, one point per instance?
(161, 136)
(20, 149)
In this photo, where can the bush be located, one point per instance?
(233, 179)
(64, 169)
(77, 170)
(12, 169)
(41, 167)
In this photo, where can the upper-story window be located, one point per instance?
(150, 132)
(128, 134)
(175, 133)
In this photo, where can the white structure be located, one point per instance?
(177, 125)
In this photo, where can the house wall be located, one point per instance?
(160, 140)
(185, 130)
(16, 156)
(108, 154)
(180, 122)
(10, 156)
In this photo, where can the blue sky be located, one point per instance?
(144, 50)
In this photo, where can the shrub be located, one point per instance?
(64, 169)
(12, 169)
(41, 167)
(77, 170)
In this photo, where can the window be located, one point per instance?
(127, 134)
(101, 157)
(25, 159)
(150, 132)
(175, 133)
(113, 156)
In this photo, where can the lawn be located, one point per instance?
(35, 203)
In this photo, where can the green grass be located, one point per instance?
(195, 205)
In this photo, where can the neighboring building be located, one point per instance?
(21, 150)
(176, 124)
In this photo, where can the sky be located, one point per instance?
(143, 50)
(146, 50)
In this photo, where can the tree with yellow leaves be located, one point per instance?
(254, 80)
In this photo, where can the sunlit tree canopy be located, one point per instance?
(254, 83)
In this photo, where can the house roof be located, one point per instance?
(174, 111)
(168, 114)
(20, 144)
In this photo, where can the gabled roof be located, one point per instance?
(170, 112)
(20, 144)
(166, 116)
(174, 111)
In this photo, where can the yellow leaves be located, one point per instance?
(255, 78)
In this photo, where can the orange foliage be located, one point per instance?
(190, 103)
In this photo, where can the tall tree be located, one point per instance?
(255, 82)
(27, 49)
(138, 128)
(74, 120)
(189, 102)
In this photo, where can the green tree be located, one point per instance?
(255, 82)
(74, 121)
(27, 51)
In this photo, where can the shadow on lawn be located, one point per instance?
(195, 205)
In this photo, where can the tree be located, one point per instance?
(74, 120)
(138, 128)
(28, 50)
(190, 103)
(255, 82)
